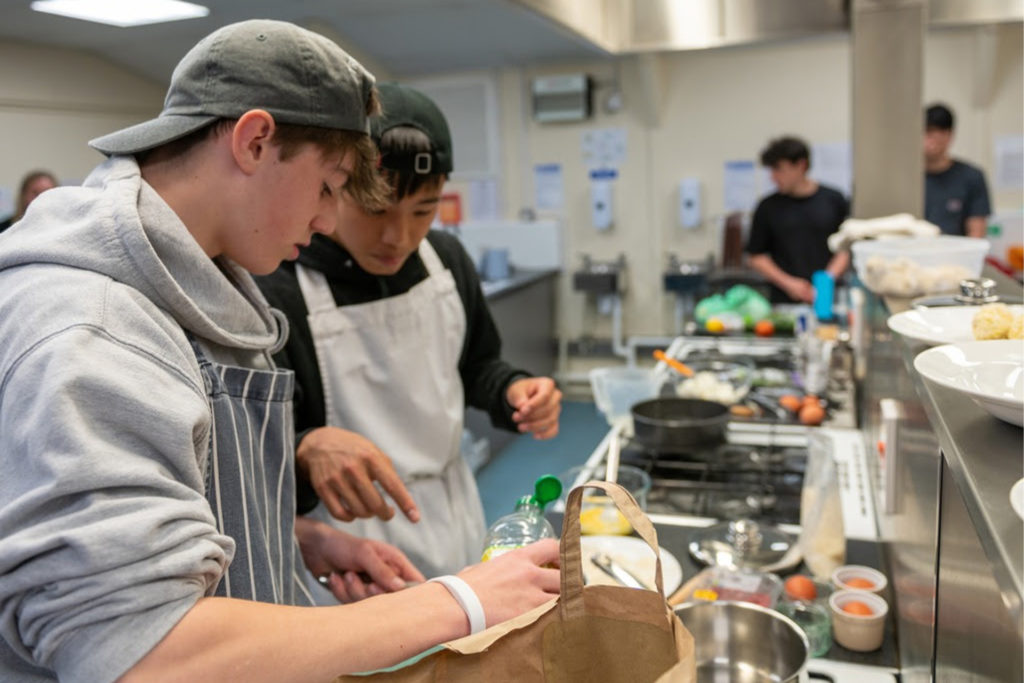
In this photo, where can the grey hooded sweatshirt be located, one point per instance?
(106, 537)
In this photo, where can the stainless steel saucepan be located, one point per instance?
(740, 641)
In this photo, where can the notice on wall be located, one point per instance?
(548, 187)
(483, 200)
(602, 198)
(604, 148)
(1009, 153)
(740, 185)
(832, 165)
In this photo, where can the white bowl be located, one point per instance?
(939, 325)
(860, 633)
(912, 266)
(989, 372)
(855, 571)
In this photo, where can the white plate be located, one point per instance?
(634, 555)
(1017, 498)
(939, 325)
(990, 372)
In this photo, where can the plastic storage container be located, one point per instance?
(736, 585)
(617, 389)
(908, 267)
(526, 524)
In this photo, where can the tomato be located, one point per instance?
(800, 587)
(764, 328)
(859, 608)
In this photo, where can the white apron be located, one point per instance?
(390, 371)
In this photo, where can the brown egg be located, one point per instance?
(810, 400)
(790, 402)
(812, 414)
(858, 608)
(800, 587)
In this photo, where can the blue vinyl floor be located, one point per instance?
(510, 473)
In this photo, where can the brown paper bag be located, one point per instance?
(592, 633)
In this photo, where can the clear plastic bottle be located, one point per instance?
(527, 523)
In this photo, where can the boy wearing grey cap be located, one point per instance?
(391, 338)
(147, 521)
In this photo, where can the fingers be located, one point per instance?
(380, 571)
(369, 497)
(542, 420)
(549, 581)
(542, 552)
(349, 587)
(348, 498)
(401, 564)
(334, 504)
(390, 481)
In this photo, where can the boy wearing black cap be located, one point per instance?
(391, 339)
(147, 501)
(955, 193)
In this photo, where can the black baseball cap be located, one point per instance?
(298, 76)
(406, 107)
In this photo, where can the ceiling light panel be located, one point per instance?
(122, 12)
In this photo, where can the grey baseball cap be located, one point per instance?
(298, 76)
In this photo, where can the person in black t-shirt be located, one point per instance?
(955, 194)
(789, 234)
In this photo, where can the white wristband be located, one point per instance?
(467, 599)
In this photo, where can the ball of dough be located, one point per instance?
(1017, 328)
(992, 322)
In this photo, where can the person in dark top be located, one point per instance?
(33, 184)
(789, 233)
(955, 193)
(390, 339)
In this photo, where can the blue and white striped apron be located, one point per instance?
(250, 480)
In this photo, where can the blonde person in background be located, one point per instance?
(32, 185)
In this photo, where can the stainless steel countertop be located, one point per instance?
(986, 457)
(520, 277)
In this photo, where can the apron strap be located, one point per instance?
(431, 261)
(315, 290)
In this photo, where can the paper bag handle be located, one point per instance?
(570, 604)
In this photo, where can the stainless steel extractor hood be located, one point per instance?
(636, 26)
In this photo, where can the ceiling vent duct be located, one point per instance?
(637, 26)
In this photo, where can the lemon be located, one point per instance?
(714, 325)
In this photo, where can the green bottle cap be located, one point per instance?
(546, 489)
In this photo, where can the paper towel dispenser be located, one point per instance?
(562, 98)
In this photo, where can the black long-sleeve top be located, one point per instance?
(485, 377)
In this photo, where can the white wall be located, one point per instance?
(719, 105)
(53, 101)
